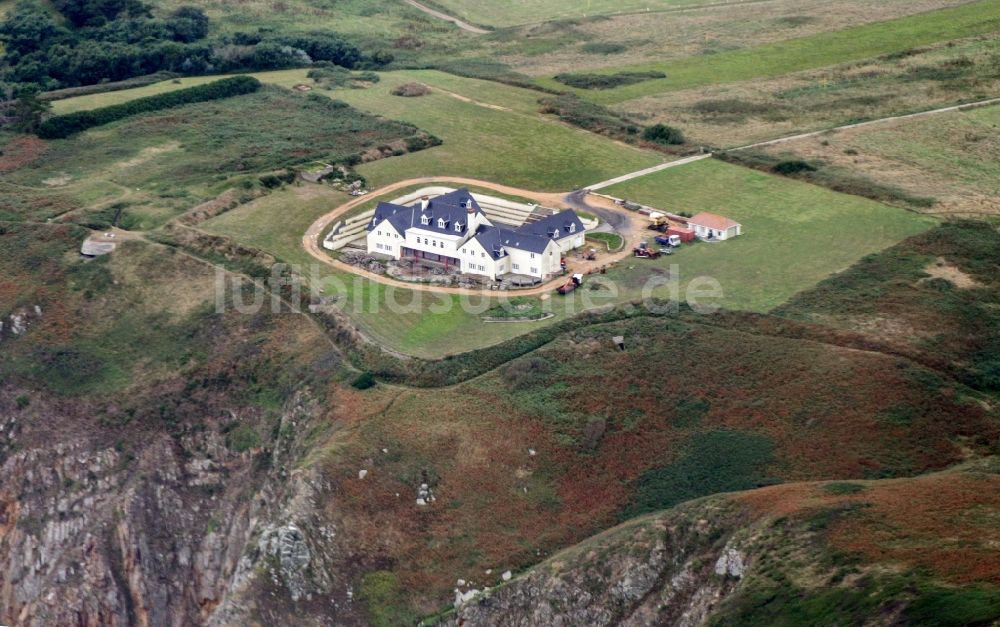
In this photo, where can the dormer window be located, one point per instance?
(425, 220)
(442, 224)
(458, 227)
(572, 227)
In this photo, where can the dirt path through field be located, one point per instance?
(630, 230)
(448, 18)
(908, 116)
(781, 140)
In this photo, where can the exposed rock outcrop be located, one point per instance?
(658, 570)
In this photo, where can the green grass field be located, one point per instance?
(164, 163)
(814, 51)
(515, 145)
(795, 234)
(275, 223)
(953, 158)
(500, 137)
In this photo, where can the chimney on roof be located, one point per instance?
(425, 202)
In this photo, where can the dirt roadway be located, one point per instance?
(448, 18)
(630, 229)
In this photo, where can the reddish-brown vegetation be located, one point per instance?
(21, 151)
(945, 523)
(830, 412)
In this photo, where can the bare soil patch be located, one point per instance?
(941, 269)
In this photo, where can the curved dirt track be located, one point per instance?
(310, 241)
(448, 18)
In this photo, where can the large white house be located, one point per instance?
(452, 229)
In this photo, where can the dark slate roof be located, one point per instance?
(555, 226)
(489, 238)
(508, 238)
(533, 237)
(451, 206)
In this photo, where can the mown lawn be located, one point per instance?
(795, 234)
(514, 147)
(432, 326)
(501, 137)
(814, 51)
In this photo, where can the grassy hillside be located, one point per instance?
(515, 147)
(747, 111)
(510, 13)
(490, 131)
(953, 159)
(805, 53)
(933, 296)
(157, 165)
(795, 234)
(832, 553)
(686, 410)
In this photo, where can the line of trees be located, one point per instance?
(113, 40)
(65, 125)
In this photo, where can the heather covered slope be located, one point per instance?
(934, 296)
(828, 553)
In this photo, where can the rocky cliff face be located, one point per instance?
(669, 569)
(169, 530)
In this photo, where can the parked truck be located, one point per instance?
(668, 240)
(574, 282)
(685, 235)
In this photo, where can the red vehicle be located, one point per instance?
(574, 282)
(645, 252)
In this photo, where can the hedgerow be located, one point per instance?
(62, 126)
(606, 81)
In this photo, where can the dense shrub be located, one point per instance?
(324, 46)
(663, 134)
(65, 125)
(606, 81)
(602, 47)
(486, 69)
(114, 40)
(333, 77)
(716, 461)
(837, 179)
(794, 166)
(363, 381)
(590, 116)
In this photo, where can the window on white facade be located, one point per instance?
(517, 266)
(534, 270)
(532, 255)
